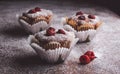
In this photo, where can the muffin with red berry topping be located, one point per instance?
(53, 45)
(84, 25)
(36, 19)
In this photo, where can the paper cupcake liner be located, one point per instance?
(82, 35)
(51, 56)
(42, 25)
(69, 28)
(86, 35)
(63, 20)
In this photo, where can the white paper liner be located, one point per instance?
(54, 55)
(63, 20)
(82, 35)
(42, 25)
(69, 28)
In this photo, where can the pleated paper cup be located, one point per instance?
(56, 55)
(69, 28)
(84, 36)
(42, 25)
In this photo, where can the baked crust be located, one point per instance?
(82, 27)
(32, 21)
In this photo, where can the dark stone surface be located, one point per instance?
(17, 57)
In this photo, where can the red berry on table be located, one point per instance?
(84, 59)
(90, 54)
(92, 57)
(61, 31)
(50, 31)
(79, 13)
(81, 17)
(37, 9)
(91, 16)
(32, 11)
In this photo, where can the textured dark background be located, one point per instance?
(113, 5)
(17, 57)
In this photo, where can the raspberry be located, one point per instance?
(79, 13)
(92, 57)
(84, 59)
(50, 31)
(91, 16)
(37, 9)
(81, 17)
(32, 11)
(61, 31)
(90, 54)
(51, 28)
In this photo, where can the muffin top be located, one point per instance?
(82, 18)
(52, 34)
(82, 21)
(33, 13)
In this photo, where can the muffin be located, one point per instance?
(83, 25)
(53, 45)
(35, 20)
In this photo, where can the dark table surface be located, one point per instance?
(17, 57)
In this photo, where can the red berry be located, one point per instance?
(32, 11)
(37, 9)
(50, 31)
(61, 31)
(79, 13)
(90, 54)
(92, 57)
(81, 17)
(51, 28)
(91, 16)
(84, 59)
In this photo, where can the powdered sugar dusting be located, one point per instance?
(88, 20)
(43, 12)
(57, 37)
